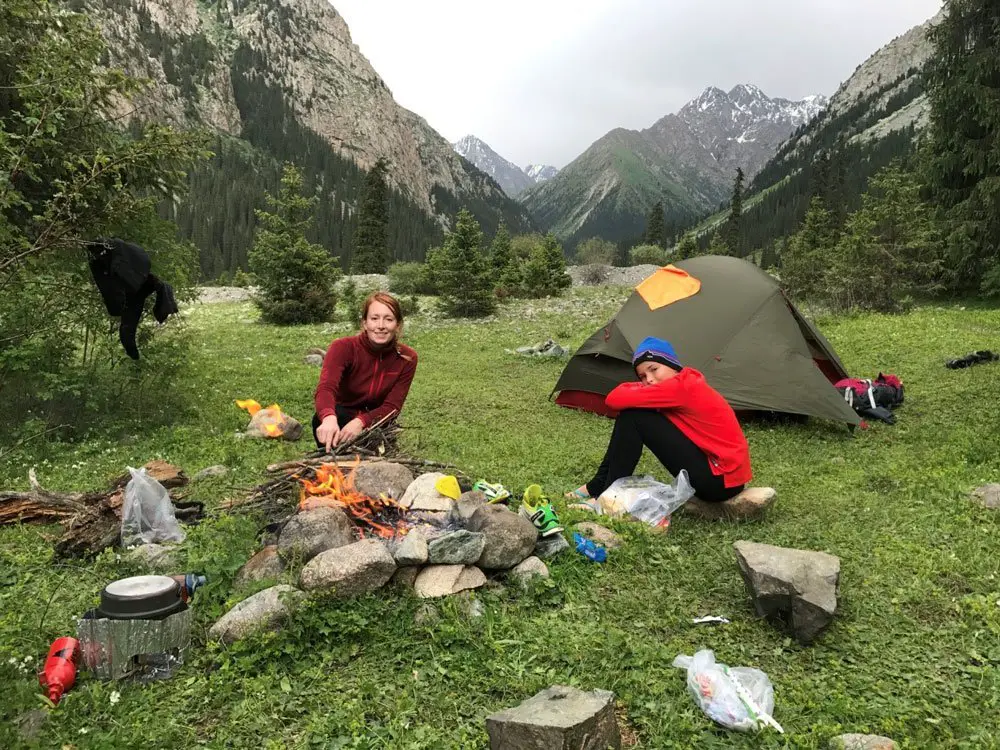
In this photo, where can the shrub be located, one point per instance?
(596, 250)
(647, 255)
(406, 278)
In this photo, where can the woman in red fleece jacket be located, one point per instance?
(685, 422)
(364, 377)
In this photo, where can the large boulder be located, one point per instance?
(796, 587)
(313, 531)
(382, 478)
(266, 609)
(460, 547)
(444, 580)
(265, 564)
(349, 571)
(509, 538)
(861, 742)
(752, 503)
(557, 718)
(421, 495)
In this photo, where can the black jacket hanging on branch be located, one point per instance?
(121, 272)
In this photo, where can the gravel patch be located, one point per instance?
(600, 275)
(211, 295)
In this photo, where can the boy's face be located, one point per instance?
(651, 373)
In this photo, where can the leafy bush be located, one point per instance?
(647, 255)
(596, 250)
(407, 278)
(297, 279)
(243, 279)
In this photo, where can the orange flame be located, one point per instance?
(332, 488)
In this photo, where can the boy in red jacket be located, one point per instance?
(685, 422)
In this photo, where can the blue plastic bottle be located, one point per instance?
(590, 550)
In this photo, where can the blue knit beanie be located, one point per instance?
(652, 349)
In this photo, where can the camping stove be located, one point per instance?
(141, 629)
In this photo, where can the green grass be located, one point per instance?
(913, 653)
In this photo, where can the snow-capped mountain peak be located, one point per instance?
(540, 172)
(508, 175)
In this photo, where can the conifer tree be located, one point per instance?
(963, 84)
(462, 272)
(503, 265)
(807, 253)
(371, 241)
(734, 224)
(718, 244)
(655, 229)
(545, 272)
(687, 247)
(296, 279)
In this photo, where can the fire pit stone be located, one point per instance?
(469, 503)
(509, 537)
(349, 571)
(265, 609)
(310, 532)
(265, 564)
(382, 478)
(442, 580)
(412, 550)
(422, 495)
(460, 547)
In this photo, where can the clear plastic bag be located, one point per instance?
(645, 498)
(147, 513)
(740, 698)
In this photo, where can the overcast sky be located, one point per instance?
(540, 80)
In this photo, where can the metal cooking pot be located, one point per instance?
(141, 598)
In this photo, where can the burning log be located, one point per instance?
(91, 520)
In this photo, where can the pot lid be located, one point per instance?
(141, 587)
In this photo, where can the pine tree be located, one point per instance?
(734, 224)
(371, 241)
(545, 272)
(687, 247)
(807, 253)
(462, 272)
(718, 244)
(503, 265)
(296, 278)
(963, 84)
(888, 249)
(655, 229)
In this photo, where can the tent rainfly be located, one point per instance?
(728, 319)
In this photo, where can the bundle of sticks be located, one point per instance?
(276, 498)
(91, 521)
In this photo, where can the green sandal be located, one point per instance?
(537, 509)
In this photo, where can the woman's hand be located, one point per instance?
(349, 431)
(328, 431)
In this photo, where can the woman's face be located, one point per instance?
(380, 324)
(651, 373)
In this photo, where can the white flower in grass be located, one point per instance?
(115, 697)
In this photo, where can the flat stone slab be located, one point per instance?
(443, 580)
(751, 503)
(792, 586)
(460, 547)
(862, 742)
(988, 496)
(422, 495)
(557, 718)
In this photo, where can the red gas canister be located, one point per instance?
(59, 673)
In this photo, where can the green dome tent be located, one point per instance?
(738, 329)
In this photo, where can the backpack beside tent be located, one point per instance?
(728, 319)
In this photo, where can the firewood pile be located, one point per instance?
(91, 521)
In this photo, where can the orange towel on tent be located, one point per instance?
(667, 285)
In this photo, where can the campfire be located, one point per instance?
(373, 516)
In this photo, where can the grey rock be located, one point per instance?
(548, 547)
(157, 558)
(265, 564)
(599, 534)
(349, 571)
(31, 723)
(291, 428)
(318, 350)
(313, 531)
(210, 472)
(382, 478)
(557, 718)
(315, 360)
(412, 550)
(509, 537)
(798, 587)
(988, 496)
(457, 548)
(529, 568)
(404, 577)
(861, 742)
(266, 609)
(469, 503)
(444, 580)
(421, 495)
